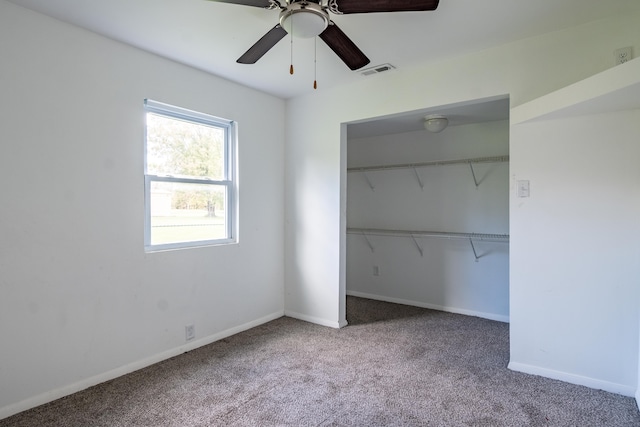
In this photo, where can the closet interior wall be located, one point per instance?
(450, 273)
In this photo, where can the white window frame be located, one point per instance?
(230, 181)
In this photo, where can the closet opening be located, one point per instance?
(427, 213)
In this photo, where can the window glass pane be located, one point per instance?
(184, 149)
(187, 212)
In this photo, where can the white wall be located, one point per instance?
(575, 250)
(445, 276)
(80, 300)
(315, 211)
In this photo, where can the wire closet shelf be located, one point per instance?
(493, 159)
(415, 234)
(416, 166)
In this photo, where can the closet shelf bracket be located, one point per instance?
(420, 181)
(366, 176)
(473, 174)
(420, 249)
(473, 248)
(366, 238)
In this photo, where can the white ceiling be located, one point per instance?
(211, 35)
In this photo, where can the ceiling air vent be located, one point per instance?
(377, 69)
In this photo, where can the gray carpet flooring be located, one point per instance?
(394, 365)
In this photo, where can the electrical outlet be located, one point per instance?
(189, 332)
(623, 55)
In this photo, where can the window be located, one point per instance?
(189, 178)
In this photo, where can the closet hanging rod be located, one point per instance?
(494, 159)
(423, 233)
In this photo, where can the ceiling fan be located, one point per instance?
(310, 18)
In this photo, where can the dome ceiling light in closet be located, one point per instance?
(435, 123)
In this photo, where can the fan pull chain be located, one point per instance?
(315, 63)
(291, 66)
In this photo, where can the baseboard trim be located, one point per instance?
(490, 316)
(52, 395)
(622, 389)
(317, 320)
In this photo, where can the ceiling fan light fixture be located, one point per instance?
(435, 123)
(310, 20)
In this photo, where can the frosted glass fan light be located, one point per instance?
(304, 21)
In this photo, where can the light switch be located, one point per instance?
(523, 188)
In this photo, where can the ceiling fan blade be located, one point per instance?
(342, 45)
(263, 45)
(370, 6)
(256, 3)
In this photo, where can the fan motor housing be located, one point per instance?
(304, 20)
